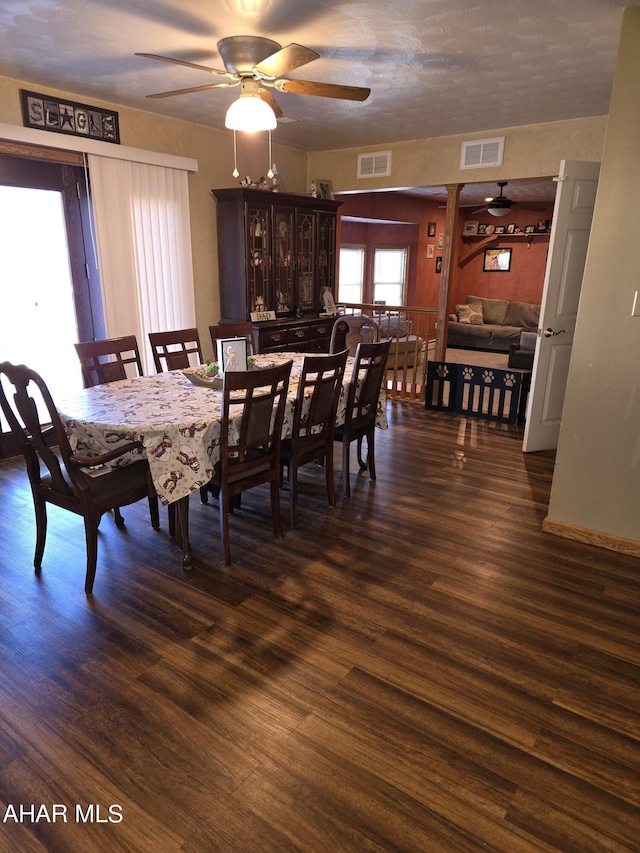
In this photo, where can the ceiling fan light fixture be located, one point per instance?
(498, 211)
(250, 113)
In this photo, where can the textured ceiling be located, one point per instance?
(435, 67)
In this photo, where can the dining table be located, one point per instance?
(177, 424)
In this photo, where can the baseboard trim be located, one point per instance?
(592, 537)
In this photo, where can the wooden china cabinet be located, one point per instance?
(277, 252)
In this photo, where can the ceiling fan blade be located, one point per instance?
(182, 62)
(479, 210)
(192, 89)
(287, 59)
(268, 97)
(323, 90)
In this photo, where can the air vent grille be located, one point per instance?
(482, 153)
(374, 165)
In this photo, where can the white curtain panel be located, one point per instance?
(143, 236)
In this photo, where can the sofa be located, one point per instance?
(491, 324)
(405, 347)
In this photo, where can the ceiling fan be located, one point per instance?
(500, 205)
(257, 65)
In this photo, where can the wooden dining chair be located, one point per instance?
(171, 350)
(59, 476)
(362, 404)
(106, 360)
(349, 330)
(253, 404)
(314, 416)
(232, 330)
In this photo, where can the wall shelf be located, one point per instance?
(485, 240)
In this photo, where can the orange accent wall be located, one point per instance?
(405, 212)
(524, 282)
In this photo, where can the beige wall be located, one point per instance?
(597, 477)
(532, 151)
(212, 149)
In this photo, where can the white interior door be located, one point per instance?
(572, 214)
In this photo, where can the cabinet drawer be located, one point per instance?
(298, 335)
(273, 339)
(323, 330)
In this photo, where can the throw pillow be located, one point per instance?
(470, 314)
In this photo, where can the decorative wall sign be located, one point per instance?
(46, 112)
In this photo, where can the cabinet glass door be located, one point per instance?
(258, 255)
(306, 233)
(326, 251)
(283, 258)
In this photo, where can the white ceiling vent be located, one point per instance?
(482, 153)
(375, 165)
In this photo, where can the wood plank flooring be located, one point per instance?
(420, 669)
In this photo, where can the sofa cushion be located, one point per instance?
(523, 314)
(494, 311)
(471, 314)
(465, 331)
(394, 326)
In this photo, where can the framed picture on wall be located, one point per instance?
(431, 250)
(431, 229)
(497, 260)
(441, 241)
(439, 263)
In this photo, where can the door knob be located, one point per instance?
(549, 333)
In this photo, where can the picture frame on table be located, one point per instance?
(497, 260)
(232, 354)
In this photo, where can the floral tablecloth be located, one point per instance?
(177, 422)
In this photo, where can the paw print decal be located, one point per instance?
(487, 376)
(442, 371)
(467, 372)
(509, 380)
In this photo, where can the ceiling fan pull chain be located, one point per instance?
(270, 172)
(235, 173)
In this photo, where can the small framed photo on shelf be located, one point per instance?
(232, 354)
(431, 229)
(325, 189)
(511, 228)
(482, 227)
(500, 229)
(529, 229)
(497, 260)
(470, 228)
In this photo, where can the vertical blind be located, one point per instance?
(143, 237)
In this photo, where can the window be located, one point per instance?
(389, 276)
(351, 278)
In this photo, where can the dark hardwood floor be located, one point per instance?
(420, 669)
